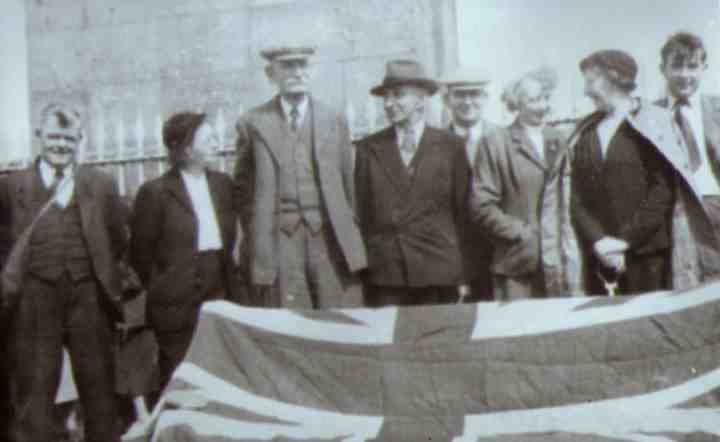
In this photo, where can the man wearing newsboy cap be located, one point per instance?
(294, 189)
(412, 183)
(465, 96)
(624, 174)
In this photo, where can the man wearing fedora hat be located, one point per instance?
(412, 184)
(622, 181)
(294, 189)
(465, 97)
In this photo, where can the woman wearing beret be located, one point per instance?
(183, 229)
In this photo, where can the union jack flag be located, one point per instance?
(632, 369)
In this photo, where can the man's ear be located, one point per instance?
(269, 71)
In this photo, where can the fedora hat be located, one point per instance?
(405, 72)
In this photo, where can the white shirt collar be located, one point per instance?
(47, 172)
(301, 107)
(66, 188)
(417, 128)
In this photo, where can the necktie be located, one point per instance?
(688, 136)
(408, 142)
(59, 175)
(294, 118)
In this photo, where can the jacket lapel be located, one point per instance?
(524, 145)
(324, 132)
(711, 127)
(85, 197)
(656, 124)
(274, 130)
(388, 155)
(176, 188)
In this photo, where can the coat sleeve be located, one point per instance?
(118, 213)
(244, 174)
(5, 220)
(487, 194)
(145, 229)
(347, 160)
(654, 209)
(362, 188)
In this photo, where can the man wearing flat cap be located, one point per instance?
(465, 96)
(697, 118)
(412, 183)
(294, 188)
(623, 175)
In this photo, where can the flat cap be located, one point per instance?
(467, 77)
(287, 52)
(621, 67)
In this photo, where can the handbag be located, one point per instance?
(13, 271)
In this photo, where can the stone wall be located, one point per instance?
(131, 63)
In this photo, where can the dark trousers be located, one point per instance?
(383, 296)
(48, 316)
(644, 273)
(209, 281)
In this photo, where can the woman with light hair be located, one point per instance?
(519, 196)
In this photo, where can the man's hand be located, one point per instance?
(609, 245)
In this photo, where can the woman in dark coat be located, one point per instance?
(183, 229)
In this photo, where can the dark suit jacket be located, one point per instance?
(627, 195)
(511, 181)
(477, 249)
(263, 146)
(413, 226)
(102, 215)
(163, 244)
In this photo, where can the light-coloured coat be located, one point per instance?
(693, 232)
(263, 147)
(522, 202)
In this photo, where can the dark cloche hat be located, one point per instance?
(404, 72)
(179, 130)
(620, 66)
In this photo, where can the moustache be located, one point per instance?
(61, 150)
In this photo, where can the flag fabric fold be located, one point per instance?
(632, 369)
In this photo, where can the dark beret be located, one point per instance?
(620, 67)
(179, 129)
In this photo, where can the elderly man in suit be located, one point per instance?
(623, 179)
(518, 195)
(465, 96)
(73, 219)
(183, 228)
(294, 188)
(412, 183)
(697, 118)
